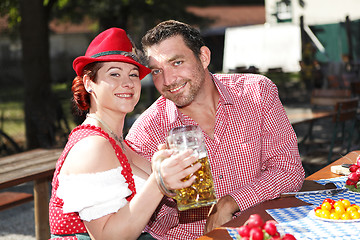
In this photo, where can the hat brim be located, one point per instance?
(80, 62)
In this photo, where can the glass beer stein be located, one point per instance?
(201, 192)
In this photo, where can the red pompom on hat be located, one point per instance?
(109, 46)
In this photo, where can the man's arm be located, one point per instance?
(221, 213)
(281, 168)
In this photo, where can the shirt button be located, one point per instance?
(220, 176)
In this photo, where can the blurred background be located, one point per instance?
(301, 44)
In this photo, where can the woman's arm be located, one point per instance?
(129, 221)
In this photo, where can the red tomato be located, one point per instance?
(270, 227)
(256, 234)
(353, 177)
(244, 231)
(288, 236)
(255, 220)
(358, 172)
(349, 182)
(353, 168)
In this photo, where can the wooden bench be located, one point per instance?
(328, 97)
(35, 166)
(12, 199)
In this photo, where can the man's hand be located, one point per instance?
(221, 213)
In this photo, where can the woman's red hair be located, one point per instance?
(80, 96)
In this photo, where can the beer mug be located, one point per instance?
(201, 192)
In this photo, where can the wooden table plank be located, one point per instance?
(325, 172)
(305, 115)
(27, 166)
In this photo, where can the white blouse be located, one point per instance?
(94, 195)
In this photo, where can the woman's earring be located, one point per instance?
(89, 91)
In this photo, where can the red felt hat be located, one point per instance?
(109, 46)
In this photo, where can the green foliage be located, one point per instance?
(10, 9)
(354, 188)
(121, 13)
(128, 14)
(62, 3)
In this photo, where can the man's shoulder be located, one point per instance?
(242, 80)
(155, 110)
(155, 117)
(236, 78)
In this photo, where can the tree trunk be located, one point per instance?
(36, 68)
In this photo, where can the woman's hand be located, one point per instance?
(173, 167)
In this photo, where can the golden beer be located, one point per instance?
(201, 192)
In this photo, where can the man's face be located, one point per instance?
(177, 73)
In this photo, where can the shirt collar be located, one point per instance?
(172, 111)
(223, 91)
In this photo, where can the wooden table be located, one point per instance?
(284, 202)
(38, 166)
(305, 115)
(308, 116)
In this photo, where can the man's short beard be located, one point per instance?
(184, 101)
(194, 85)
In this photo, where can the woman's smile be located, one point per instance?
(124, 95)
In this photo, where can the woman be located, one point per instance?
(101, 188)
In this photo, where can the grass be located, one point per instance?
(12, 119)
(12, 116)
(11, 112)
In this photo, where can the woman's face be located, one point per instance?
(117, 87)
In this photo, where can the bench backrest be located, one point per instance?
(329, 97)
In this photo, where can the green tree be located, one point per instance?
(30, 17)
(136, 16)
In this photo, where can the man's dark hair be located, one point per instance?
(171, 28)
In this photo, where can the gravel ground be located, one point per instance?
(18, 223)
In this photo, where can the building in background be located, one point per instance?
(263, 47)
(296, 33)
(223, 18)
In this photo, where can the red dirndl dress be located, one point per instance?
(65, 226)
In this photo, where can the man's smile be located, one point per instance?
(177, 89)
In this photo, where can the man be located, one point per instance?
(251, 145)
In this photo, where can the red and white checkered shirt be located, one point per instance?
(253, 156)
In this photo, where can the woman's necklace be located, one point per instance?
(116, 137)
